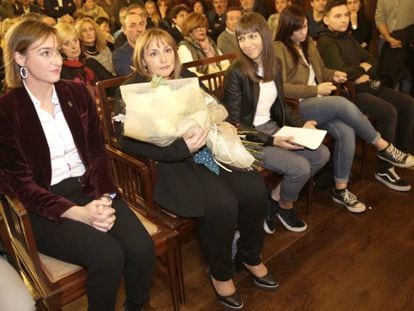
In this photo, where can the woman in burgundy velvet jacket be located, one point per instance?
(53, 159)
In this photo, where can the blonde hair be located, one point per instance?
(5, 26)
(65, 32)
(142, 44)
(194, 20)
(100, 41)
(19, 38)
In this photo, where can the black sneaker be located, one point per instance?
(269, 224)
(290, 219)
(396, 157)
(391, 179)
(349, 200)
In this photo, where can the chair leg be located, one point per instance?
(364, 160)
(179, 263)
(53, 303)
(174, 267)
(309, 202)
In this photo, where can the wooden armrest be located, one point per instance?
(17, 206)
(125, 158)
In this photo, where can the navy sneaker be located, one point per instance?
(391, 179)
(349, 200)
(290, 219)
(396, 157)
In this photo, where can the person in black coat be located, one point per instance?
(178, 15)
(190, 187)
(56, 9)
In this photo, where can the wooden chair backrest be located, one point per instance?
(209, 60)
(133, 178)
(213, 81)
(107, 105)
(119, 158)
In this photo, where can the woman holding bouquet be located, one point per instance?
(191, 184)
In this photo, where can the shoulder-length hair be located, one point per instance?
(66, 32)
(292, 19)
(192, 21)
(100, 41)
(144, 40)
(254, 22)
(19, 38)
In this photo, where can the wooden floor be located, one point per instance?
(342, 262)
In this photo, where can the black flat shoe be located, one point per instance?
(233, 301)
(265, 282)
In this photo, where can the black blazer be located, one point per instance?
(178, 187)
(241, 95)
(176, 34)
(54, 10)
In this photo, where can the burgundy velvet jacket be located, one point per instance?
(25, 165)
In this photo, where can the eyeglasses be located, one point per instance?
(200, 28)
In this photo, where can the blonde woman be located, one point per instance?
(94, 42)
(153, 19)
(76, 66)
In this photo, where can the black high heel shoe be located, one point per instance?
(233, 301)
(266, 282)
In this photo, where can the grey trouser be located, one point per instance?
(296, 166)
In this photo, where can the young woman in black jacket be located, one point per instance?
(253, 95)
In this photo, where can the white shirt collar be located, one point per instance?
(36, 102)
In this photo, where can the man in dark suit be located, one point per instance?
(178, 15)
(58, 8)
(122, 57)
(216, 19)
(24, 6)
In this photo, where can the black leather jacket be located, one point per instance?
(241, 96)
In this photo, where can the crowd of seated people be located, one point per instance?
(291, 53)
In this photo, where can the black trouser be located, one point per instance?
(126, 250)
(393, 113)
(232, 200)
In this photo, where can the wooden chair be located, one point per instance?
(55, 283)
(136, 176)
(107, 104)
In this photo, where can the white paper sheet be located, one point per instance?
(308, 138)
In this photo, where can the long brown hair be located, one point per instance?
(19, 38)
(292, 19)
(100, 41)
(254, 22)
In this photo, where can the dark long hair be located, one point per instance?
(291, 19)
(254, 22)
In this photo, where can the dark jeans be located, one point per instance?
(126, 250)
(393, 114)
(233, 200)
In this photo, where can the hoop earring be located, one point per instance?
(23, 72)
